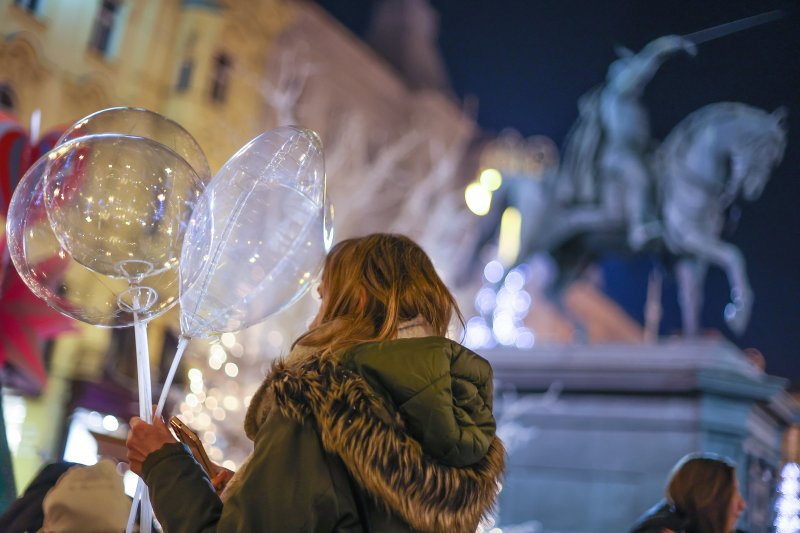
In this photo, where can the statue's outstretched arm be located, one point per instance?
(632, 72)
(667, 45)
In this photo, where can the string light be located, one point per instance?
(502, 305)
(214, 402)
(787, 506)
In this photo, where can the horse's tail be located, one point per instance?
(577, 182)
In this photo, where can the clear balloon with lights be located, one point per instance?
(96, 229)
(257, 238)
(143, 123)
(120, 205)
(63, 270)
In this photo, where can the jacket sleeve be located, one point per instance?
(288, 485)
(182, 495)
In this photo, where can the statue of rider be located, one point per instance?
(623, 156)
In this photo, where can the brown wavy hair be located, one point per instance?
(372, 284)
(701, 487)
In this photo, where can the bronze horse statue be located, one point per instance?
(715, 155)
(720, 152)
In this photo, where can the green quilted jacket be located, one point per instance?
(385, 437)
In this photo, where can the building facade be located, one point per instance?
(226, 71)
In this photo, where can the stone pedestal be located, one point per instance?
(594, 452)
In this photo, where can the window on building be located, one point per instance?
(221, 75)
(105, 26)
(8, 100)
(184, 75)
(31, 6)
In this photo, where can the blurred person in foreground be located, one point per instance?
(26, 512)
(373, 422)
(702, 496)
(66, 497)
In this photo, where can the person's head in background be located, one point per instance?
(87, 498)
(26, 512)
(372, 285)
(704, 488)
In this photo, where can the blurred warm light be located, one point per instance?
(510, 230)
(228, 339)
(231, 369)
(110, 423)
(203, 420)
(217, 357)
(218, 351)
(491, 179)
(231, 403)
(237, 350)
(478, 198)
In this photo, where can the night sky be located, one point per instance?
(528, 61)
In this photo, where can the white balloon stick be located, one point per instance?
(135, 505)
(145, 410)
(140, 486)
(183, 342)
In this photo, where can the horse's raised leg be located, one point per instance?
(690, 274)
(729, 258)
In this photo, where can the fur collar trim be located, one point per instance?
(371, 439)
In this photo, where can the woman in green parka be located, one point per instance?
(374, 422)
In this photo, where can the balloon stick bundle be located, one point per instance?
(126, 200)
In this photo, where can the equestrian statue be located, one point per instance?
(619, 190)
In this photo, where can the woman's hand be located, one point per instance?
(144, 439)
(220, 478)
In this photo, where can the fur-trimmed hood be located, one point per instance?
(410, 418)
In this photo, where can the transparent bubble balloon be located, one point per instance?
(119, 204)
(258, 236)
(53, 275)
(143, 123)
